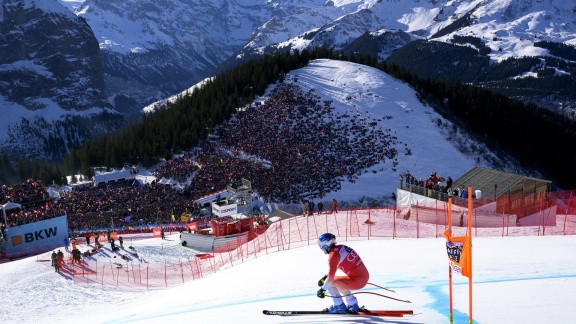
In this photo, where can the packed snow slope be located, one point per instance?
(515, 280)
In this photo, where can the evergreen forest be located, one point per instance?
(538, 138)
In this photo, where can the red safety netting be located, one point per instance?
(414, 221)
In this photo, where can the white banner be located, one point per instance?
(225, 210)
(37, 237)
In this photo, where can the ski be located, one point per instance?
(388, 313)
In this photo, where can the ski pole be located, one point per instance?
(372, 293)
(390, 290)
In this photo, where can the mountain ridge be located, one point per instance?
(150, 51)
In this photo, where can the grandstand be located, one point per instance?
(513, 193)
(490, 181)
(522, 200)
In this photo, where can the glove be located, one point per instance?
(321, 293)
(321, 281)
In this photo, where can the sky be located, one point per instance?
(521, 279)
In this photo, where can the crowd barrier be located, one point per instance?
(132, 269)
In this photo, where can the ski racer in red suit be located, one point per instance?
(345, 259)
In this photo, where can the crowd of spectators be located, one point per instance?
(180, 169)
(434, 186)
(97, 208)
(28, 191)
(292, 146)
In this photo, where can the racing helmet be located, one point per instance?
(326, 241)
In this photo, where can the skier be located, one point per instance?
(356, 275)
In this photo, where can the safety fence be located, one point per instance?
(135, 268)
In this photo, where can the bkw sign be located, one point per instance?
(36, 237)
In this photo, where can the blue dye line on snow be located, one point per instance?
(440, 303)
(442, 306)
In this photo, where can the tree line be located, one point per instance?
(536, 137)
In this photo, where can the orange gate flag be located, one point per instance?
(458, 249)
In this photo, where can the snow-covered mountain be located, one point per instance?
(51, 80)
(509, 25)
(150, 50)
(153, 49)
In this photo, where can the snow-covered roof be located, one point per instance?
(143, 180)
(166, 181)
(55, 192)
(213, 196)
(171, 182)
(115, 175)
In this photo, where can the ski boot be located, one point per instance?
(336, 309)
(354, 309)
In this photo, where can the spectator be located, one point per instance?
(66, 242)
(463, 193)
(456, 192)
(311, 207)
(320, 207)
(76, 255)
(449, 183)
(59, 260)
(53, 257)
(334, 206)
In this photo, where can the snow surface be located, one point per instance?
(527, 279)
(422, 146)
(516, 279)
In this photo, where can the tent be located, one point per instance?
(7, 206)
(113, 176)
(10, 205)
